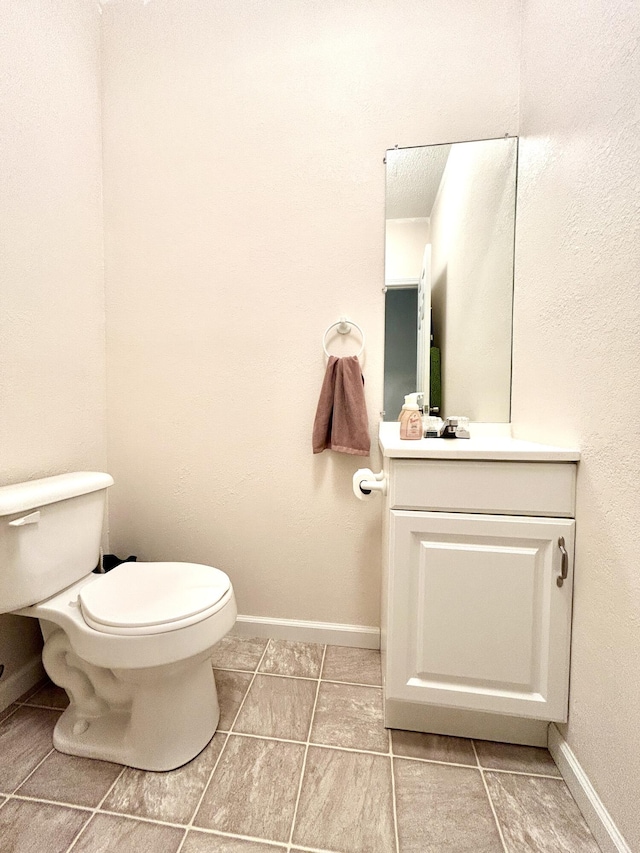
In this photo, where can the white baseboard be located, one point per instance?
(331, 633)
(596, 815)
(24, 678)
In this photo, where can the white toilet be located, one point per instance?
(132, 647)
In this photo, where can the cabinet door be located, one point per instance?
(476, 617)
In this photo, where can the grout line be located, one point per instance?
(522, 773)
(306, 751)
(142, 818)
(347, 749)
(42, 707)
(30, 774)
(244, 698)
(280, 845)
(477, 766)
(393, 793)
(4, 719)
(134, 818)
(322, 662)
(189, 825)
(486, 788)
(241, 671)
(320, 745)
(219, 833)
(27, 799)
(352, 683)
(299, 677)
(434, 761)
(266, 737)
(475, 752)
(95, 810)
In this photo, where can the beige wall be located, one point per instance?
(52, 360)
(245, 213)
(576, 367)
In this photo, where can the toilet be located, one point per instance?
(131, 648)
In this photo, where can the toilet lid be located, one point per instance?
(144, 595)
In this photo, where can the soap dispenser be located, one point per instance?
(410, 418)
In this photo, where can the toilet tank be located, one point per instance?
(50, 532)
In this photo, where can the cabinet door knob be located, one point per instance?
(564, 566)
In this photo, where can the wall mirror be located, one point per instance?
(450, 226)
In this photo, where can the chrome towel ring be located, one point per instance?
(344, 327)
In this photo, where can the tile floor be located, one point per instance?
(301, 762)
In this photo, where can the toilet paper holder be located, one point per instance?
(366, 483)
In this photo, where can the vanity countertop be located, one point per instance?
(483, 445)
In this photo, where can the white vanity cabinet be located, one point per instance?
(478, 585)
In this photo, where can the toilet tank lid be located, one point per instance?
(21, 497)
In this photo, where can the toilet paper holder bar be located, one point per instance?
(366, 481)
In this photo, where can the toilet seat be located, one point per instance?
(153, 598)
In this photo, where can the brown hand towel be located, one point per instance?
(341, 417)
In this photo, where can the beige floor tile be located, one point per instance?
(231, 687)
(357, 666)
(73, 780)
(113, 834)
(49, 696)
(346, 800)
(25, 739)
(538, 815)
(253, 791)
(285, 657)
(204, 842)
(171, 796)
(27, 827)
(509, 756)
(278, 707)
(350, 715)
(442, 808)
(455, 750)
(238, 653)
(346, 803)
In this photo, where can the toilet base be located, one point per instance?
(111, 736)
(156, 718)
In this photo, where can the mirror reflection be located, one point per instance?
(450, 223)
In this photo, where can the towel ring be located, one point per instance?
(344, 328)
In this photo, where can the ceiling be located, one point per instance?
(413, 178)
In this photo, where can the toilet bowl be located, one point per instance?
(132, 647)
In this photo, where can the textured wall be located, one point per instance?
(576, 367)
(52, 343)
(244, 206)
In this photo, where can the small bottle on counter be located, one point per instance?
(411, 418)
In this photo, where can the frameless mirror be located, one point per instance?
(450, 225)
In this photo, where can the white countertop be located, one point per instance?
(485, 443)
